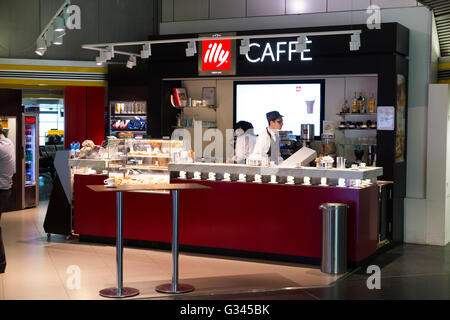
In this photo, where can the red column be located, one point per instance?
(84, 114)
(96, 114)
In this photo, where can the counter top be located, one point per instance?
(334, 173)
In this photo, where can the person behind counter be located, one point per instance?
(268, 142)
(245, 141)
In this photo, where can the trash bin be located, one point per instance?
(334, 238)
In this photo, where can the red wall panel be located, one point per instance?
(84, 114)
(75, 115)
(96, 114)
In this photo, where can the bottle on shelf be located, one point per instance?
(361, 103)
(345, 107)
(372, 105)
(355, 104)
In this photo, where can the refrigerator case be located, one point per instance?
(30, 194)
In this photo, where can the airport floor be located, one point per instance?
(66, 269)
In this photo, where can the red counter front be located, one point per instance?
(263, 218)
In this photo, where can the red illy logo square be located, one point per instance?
(216, 55)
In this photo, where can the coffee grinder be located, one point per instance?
(307, 134)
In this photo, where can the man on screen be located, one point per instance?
(268, 142)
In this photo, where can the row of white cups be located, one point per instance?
(273, 179)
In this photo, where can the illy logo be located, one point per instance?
(216, 55)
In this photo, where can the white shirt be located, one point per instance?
(7, 162)
(245, 144)
(263, 143)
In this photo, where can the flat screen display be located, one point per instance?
(300, 102)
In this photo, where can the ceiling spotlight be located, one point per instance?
(102, 58)
(146, 51)
(301, 44)
(59, 24)
(131, 62)
(191, 49)
(109, 52)
(40, 47)
(49, 36)
(58, 40)
(245, 46)
(355, 42)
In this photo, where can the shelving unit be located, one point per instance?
(128, 110)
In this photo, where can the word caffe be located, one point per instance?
(275, 53)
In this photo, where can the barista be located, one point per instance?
(268, 142)
(245, 141)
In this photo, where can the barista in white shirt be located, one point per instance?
(268, 142)
(245, 141)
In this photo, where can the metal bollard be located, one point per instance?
(334, 238)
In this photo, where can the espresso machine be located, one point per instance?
(288, 144)
(307, 134)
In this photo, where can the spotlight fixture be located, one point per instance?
(40, 46)
(301, 44)
(59, 24)
(109, 53)
(245, 46)
(58, 38)
(191, 49)
(146, 51)
(355, 42)
(49, 37)
(131, 62)
(102, 58)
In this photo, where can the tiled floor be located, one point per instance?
(40, 269)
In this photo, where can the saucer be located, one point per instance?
(323, 185)
(341, 186)
(290, 182)
(306, 184)
(211, 179)
(257, 181)
(111, 186)
(227, 180)
(196, 178)
(273, 182)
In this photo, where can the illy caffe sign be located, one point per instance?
(217, 56)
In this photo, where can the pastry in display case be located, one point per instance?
(144, 161)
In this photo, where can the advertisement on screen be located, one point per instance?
(300, 102)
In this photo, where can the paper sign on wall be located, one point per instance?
(386, 118)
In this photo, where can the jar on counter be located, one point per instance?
(328, 144)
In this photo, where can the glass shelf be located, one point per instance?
(356, 114)
(368, 129)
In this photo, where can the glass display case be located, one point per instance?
(143, 161)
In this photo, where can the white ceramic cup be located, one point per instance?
(323, 181)
(290, 179)
(341, 182)
(257, 177)
(197, 175)
(226, 176)
(362, 165)
(182, 175)
(242, 176)
(273, 179)
(110, 181)
(307, 180)
(212, 176)
(354, 166)
(357, 183)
